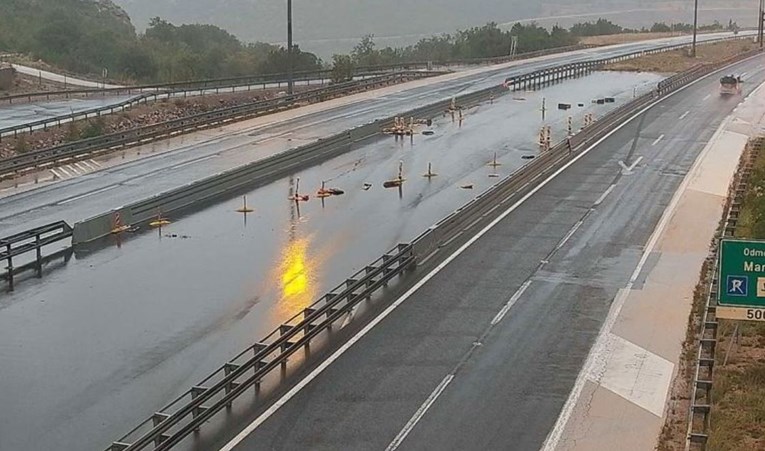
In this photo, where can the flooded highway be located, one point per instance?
(106, 339)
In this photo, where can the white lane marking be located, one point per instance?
(419, 414)
(65, 171)
(684, 115)
(604, 195)
(513, 299)
(658, 140)
(569, 235)
(56, 173)
(599, 348)
(92, 193)
(627, 170)
(706, 97)
(188, 163)
(82, 167)
(96, 163)
(374, 322)
(634, 373)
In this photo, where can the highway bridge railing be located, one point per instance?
(253, 367)
(33, 240)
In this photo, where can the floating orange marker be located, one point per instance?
(160, 221)
(396, 182)
(494, 163)
(430, 174)
(297, 197)
(244, 208)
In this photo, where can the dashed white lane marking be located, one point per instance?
(707, 97)
(419, 413)
(658, 140)
(604, 195)
(636, 374)
(576, 392)
(556, 433)
(569, 234)
(684, 115)
(513, 299)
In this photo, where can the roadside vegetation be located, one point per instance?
(490, 41)
(679, 61)
(738, 392)
(98, 38)
(87, 37)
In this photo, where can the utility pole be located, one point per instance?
(290, 66)
(695, 26)
(761, 22)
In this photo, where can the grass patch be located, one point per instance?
(679, 60)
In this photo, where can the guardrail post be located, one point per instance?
(10, 267)
(39, 256)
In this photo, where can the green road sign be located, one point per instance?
(742, 278)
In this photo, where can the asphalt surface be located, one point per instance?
(25, 113)
(59, 78)
(93, 194)
(171, 309)
(502, 386)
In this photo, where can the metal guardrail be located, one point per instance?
(281, 78)
(182, 89)
(141, 98)
(35, 159)
(179, 419)
(701, 390)
(251, 366)
(32, 240)
(14, 166)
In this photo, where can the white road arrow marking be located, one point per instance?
(627, 170)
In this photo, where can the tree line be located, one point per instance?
(489, 41)
(81, 37)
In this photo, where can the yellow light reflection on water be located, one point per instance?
(296, 272)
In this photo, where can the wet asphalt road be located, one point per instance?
(201, 155)
(170, 310)
(24, 113)
(95, 346)
(506, 380)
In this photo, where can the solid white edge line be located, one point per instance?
(336, 355)
(420, 413)
(93, 193)
(556, 433)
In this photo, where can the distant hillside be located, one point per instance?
(66, 32)
(87, 36)
(329, 26)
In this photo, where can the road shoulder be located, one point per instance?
(624, 402)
